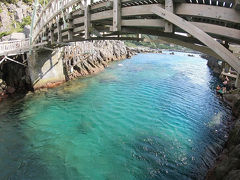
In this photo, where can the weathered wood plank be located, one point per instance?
(202, 10)
(225, 54)
(159, 23)
(116, 15)
(168, 7)
(101, 5)
(87, 22)
(59, 31)
(218, 30)
(156, 32)
(70, 27)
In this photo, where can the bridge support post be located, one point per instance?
(87, 21)
(46, 34)
(52, 34)
(168, 7)
(59, 31)
(46, 68)
(70, 27)
(116, 15)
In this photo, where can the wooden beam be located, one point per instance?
(218, 30)
(168, 7)
(52, 35)
(59, 31)
(207, 11)
(225, 54)
(155, 32)
(70, 27)
(87, 22)
(116, 15)
(159, 23)
(102, 5)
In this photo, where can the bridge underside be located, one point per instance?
(204, 23)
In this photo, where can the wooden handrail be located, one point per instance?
(15, 45)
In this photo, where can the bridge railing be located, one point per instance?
(52, 11)
(15, 45)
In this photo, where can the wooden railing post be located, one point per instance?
(46, 32)
(168, 7)
(70, 27)
(116, 15)
(59, 29)
(52, 34)
(87, 21)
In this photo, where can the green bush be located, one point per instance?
(28, 1)
(42, 2)
(26, 21)
(4, 34)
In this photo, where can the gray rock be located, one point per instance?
(14, 36)
(233, 175)
(27, 30)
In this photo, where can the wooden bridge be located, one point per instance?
(10, 48)
(204, 25)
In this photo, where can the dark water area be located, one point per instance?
(155, 116)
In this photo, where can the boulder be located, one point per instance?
(27, 30)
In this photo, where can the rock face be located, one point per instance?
(12, 13)
(227, 166)
(213, 64)
(145, 50)
(88, 58)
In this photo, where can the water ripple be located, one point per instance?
(155, 117)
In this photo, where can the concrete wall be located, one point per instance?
(46, 68)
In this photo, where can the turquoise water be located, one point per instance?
(155, 116)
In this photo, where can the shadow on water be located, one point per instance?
(17, 160)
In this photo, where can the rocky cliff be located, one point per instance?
(227, 166)
(213, 64)
(88, 58)
(14, 17)
(48, 69)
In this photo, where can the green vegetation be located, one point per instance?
(17, 27)
(26, 21)
(15, 1)
(42, 2)
(4, 34)
(28, 1)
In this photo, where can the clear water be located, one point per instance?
(155, 116)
